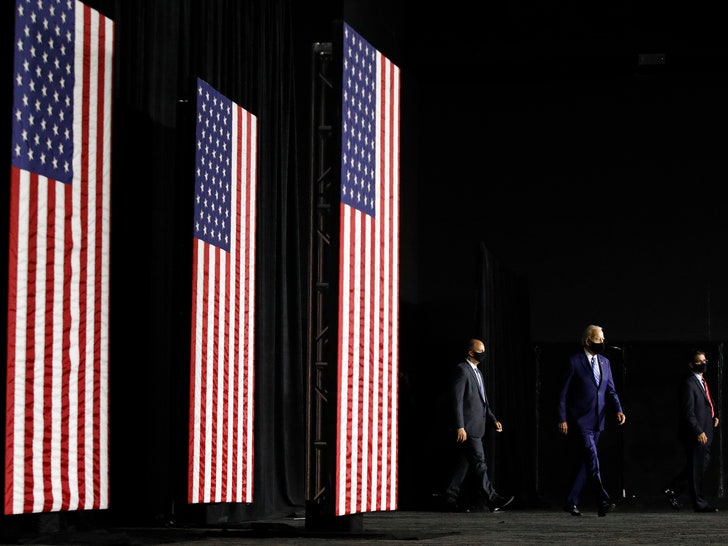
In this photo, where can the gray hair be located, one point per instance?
(586, 334)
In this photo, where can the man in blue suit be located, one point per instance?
(470, 414)
(587, 391)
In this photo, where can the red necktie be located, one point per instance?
(707, 393)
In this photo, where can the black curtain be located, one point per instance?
(245, 50)
(503, 323)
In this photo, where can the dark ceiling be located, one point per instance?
(595, 178)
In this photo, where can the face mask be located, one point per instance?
(699, 368)
(480, 357)
(596, 348)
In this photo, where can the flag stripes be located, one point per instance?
(223, 298)
(56, 447)
(366, 465)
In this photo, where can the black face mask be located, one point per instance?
(699, 368)
(596, 348)
(480, 357)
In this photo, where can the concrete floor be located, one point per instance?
(629, 524)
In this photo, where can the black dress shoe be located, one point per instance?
(707, 509)
(605, 507)
(451, 505)
(499, 503)
(572, 509)
(672, 498)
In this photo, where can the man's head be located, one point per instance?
(476, 351)
(593, 339)
(698, 362)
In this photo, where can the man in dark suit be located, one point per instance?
(697, 421)
(470, 414)
(587, 389)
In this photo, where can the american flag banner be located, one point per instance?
(57, 405)
(366, 455)
(223, 298)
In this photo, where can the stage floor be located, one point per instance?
(629, 524)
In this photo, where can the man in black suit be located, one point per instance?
(470, 414)
(697, 421)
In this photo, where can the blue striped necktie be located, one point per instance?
(595, 369)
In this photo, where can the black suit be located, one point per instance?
(696, 417)
(470, 410)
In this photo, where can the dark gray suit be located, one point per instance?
(470, 410)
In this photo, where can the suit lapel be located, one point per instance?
(700, 386)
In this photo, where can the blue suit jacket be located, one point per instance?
(581, 402)
(469, 410)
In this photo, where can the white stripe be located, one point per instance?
(251, 184)
(105, 278)
(90, 424)
(394, 267)
(368, 237)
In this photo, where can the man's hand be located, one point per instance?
(563, 428)
(621, 418)
(462, 435)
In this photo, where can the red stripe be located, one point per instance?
(193, 351)
(216, 354)
(30, 344)
(229, 375)
(65, 192)
(99, 257)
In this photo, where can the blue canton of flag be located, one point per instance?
(212, 167)
(358, 186)
(43, 97)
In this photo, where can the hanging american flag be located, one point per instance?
(223, 298)
(366, 458)
(56, 421)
